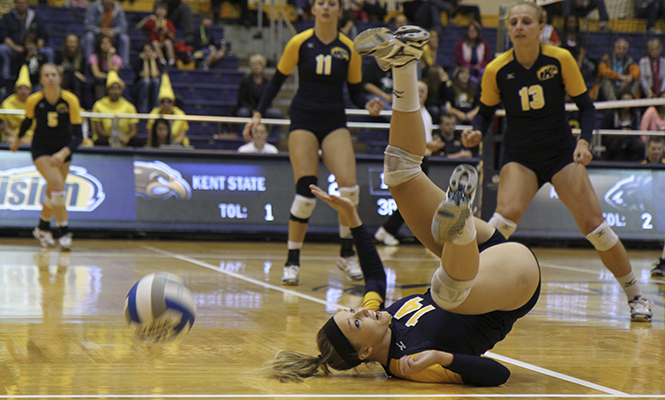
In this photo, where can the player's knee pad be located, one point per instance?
(447, 292)
(603, 237)
(351, 193)
(47, 202)
(304, 202)
(58, 198)
(502, 224)
(400, 166)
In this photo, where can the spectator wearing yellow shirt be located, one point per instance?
(11, 123)
(166, 99)
(114, 103)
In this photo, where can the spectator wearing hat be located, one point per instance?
(113, 103)
(11, 123)
(166, 106)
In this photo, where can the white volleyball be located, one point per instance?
(160, 308)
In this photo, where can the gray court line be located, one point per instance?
(311, 298)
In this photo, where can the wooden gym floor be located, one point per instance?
(63, 334)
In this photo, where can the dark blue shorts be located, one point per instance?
(497, 238)
(545, 166)
(42, 151)
(320, 124)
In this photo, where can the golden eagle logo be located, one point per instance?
(547, 72)
(157, 180)
(62, 108)
(341, 53)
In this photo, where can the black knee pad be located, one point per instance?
(302, 186)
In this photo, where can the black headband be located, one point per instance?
(340, 343)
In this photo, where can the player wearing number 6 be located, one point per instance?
(57, 135)
(532, 80)
(325, 60)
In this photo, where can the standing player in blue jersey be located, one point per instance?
(57, 135)
(325, 60)
(532, 80)
(483, 285)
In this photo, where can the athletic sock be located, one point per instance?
(630, 286)
(405, 88)
(44, 225)
(347, 248)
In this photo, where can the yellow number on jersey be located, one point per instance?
(52, 119)
(323, 64)
(532, 98)
(415, 304)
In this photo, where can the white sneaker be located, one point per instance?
(451, 214)
(65, 241)
(392, 49)
(291, 275)
(350, 266)
(385, 237)
(45, 237)
(640, 309)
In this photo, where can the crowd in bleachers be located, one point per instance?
(96, 40)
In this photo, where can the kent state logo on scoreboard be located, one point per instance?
(23, 188)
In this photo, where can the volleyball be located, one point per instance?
(160, 308)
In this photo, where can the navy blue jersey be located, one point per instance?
(534, 99)
(53, 121)
(322, 69)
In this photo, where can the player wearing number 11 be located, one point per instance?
(532, 80)
(325, 61)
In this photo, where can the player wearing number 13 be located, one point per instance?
(325, 61)
(532, 80)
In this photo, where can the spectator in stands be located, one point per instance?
(617, 73)
(451, 138)
(473, 52)
(378, 83)
(103, 60)
(205, 44)
(162, 33)
(400, 20)
(33, 58)
(573, 40)
(11, 123)
(438, 86)
(166, 99)
(114, 103)
(347, 23)
(651, 10)
(549, 35)
(70, 58)
(106, 18)
(368, 10)
(464, 96)
(250, 91)
(654, 117)
(14, 28)
(160, 134)
(258, 143)
(430, 52)
(622, 148)
(652, 70)
(581, 8)
(655, 156)
(147, 75)
(179, 12)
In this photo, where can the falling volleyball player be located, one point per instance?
(483, 285)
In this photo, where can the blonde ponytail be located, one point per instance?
(294, 366)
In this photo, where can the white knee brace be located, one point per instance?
(447, 292)
(400, 166)
(58, 198)
(351, 193)
(302, 208)
(603, 238)
(47, 202)
(503, 225)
